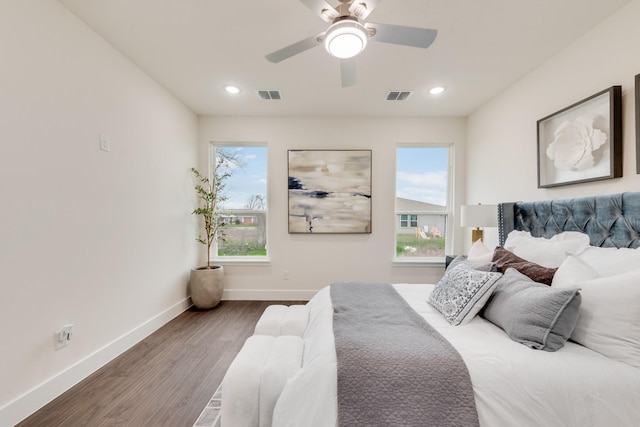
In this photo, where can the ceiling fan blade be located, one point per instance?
(362, 8)
(406, 36)
(324, 10)
(294, 49)
(348, 72)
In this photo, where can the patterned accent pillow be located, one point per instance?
(462, 292)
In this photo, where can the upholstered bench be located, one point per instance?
(270, 357)
(256, 377)
(280, 320)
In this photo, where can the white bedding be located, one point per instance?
(513, 384)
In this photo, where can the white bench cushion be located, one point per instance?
(256, 377)
(283, 320)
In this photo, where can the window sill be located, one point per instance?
(417, 262)
(242, 260)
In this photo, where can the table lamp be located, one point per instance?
(478, 216)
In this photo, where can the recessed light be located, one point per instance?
(437, 90)
(232, 90)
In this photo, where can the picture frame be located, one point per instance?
(582, 142)
(329, 191)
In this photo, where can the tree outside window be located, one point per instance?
(244, 212)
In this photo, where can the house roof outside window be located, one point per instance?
(416, 207)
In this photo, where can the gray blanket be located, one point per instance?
(394, 369)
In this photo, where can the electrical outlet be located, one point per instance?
(64, 336)
(285, 274)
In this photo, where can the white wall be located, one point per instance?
(501, 143)
(101, 240)
(105, 240)
(314, 261)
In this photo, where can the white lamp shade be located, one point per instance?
(479, 216)
(345, 39)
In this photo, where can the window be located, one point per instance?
(244, 212)
(422, 202)
(408, 221)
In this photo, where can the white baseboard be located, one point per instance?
(267, 295)
(25, 405)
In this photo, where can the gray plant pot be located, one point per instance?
(206, 286)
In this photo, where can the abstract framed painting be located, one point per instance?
(329, 191)
(582, 142)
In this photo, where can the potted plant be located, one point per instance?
(206, 282)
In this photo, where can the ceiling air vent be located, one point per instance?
(398, 95)
(270, 94)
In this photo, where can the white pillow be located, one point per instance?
(546, 252)
(609, 319)
(573, 271)
(479, 252)
(515, 237)
(611, 261)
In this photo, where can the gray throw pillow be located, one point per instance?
(531, 313)
(462, 259)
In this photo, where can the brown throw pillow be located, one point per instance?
(538, 273)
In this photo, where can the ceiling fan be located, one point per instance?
(346, 37)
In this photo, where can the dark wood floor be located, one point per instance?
(165, 380)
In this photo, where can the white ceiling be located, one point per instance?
(194, 48)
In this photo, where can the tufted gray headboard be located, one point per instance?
(610, 220)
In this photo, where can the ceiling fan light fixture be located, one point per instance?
(345, 39)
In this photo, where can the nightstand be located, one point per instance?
(448, 259)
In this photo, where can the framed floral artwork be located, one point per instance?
(582, 142)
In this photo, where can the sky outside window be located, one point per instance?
(422, 174)
(248, 178)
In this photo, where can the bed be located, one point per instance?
(550, 339)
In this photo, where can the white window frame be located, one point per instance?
(244, 260)
(409, 261)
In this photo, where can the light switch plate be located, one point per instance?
(105, 144)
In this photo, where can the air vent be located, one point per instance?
(398, 95)
(270, 94)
